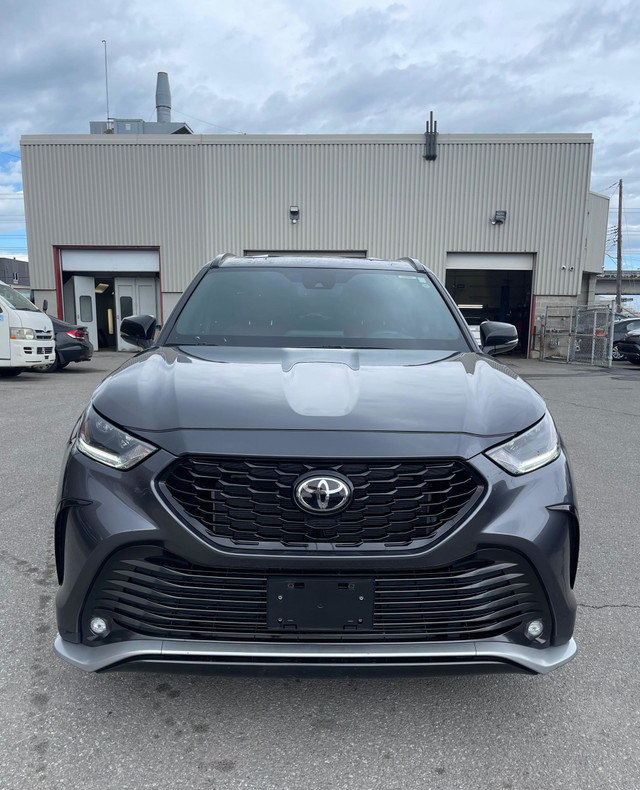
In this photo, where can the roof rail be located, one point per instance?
(419, 267)
(220, 258)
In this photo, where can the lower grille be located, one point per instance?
(241, 502)
(154, 594)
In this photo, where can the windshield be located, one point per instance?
(312, 308)
(16, 300)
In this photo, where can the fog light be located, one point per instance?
(534, 629)
(99, 626)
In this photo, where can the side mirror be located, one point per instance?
(139, 330)
(45, 306)
(498, 338)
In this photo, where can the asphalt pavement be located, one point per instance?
(578, 727)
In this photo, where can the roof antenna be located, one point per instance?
(109, 129)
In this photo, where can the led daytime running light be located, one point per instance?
(101, 441)
(530, 450)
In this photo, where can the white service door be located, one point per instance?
(134, 296)
(84, 291)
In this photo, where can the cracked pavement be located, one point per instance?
(576, 728)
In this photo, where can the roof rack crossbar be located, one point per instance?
(220, 258)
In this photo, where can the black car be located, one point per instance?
(629, 346)
(620, 329)
(72, 345)
(313, 467)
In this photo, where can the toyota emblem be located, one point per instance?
(323, 494)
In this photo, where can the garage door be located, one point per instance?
(490, 261)
(95, 261)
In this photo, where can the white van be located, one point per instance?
(26, 334)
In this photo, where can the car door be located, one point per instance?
(5, 348)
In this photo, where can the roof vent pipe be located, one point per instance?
(430, 139)
(163, 98)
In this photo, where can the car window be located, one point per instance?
(308, 307)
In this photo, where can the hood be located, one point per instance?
(32, 319)
(37, 320)
(214, 388)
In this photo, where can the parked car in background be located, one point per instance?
(620, 329)
(72, 345)
(629, 346)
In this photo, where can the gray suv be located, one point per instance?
(313, 467)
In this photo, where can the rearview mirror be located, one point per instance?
(45, 306)
(498, 338)
(139, 330)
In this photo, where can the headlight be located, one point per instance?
(21, 333)
(530, 450)
(102, 441)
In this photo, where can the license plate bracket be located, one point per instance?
(333, 605)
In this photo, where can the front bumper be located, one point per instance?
(29, 353)
(103, 513)
(629, 349)
(156, 653)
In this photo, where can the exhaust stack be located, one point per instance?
(163, 98)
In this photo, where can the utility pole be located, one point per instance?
(619, 269)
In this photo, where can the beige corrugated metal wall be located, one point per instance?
(195, 196)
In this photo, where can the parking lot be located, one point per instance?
(576, 728)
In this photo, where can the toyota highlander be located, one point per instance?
(313, 466)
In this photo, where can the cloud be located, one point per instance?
(340, 66)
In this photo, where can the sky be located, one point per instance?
(330, 66)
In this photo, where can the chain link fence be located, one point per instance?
(575, 333)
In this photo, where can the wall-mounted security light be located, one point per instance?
(294, 214)
(499, 218)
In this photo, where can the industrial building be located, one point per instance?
(118, 223)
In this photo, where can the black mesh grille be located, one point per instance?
(162, 596)
(251, 501)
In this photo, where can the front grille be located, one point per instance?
(43, 334)
(245, 502)
(157, 595)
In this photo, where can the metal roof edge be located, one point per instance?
(298, 139)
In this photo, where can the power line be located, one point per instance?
(626, 178)
(216, 125)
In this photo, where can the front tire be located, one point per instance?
(616, 354)
(51, 368)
